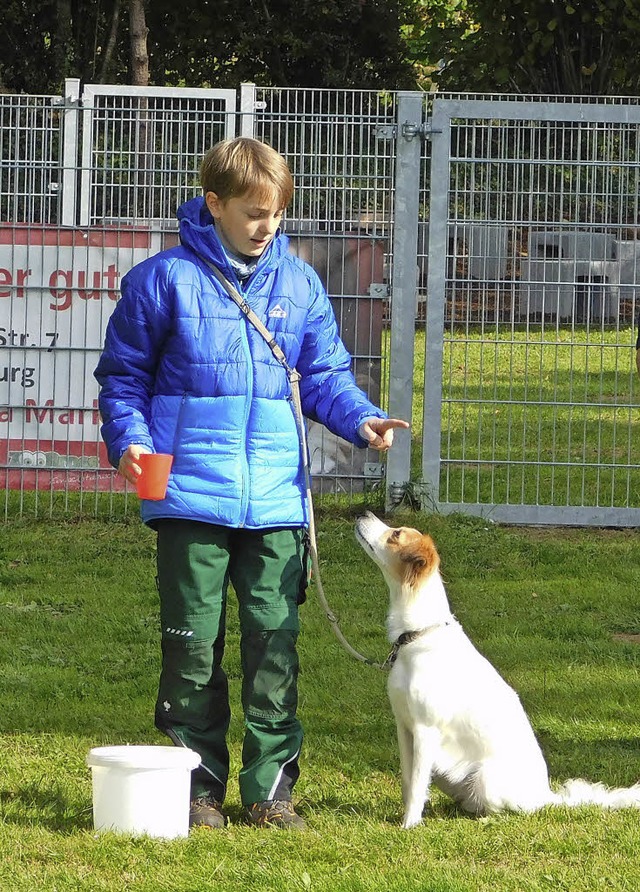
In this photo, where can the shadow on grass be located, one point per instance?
(613, 762)
(32, 806)
(385, 809)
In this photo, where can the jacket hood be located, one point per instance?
(198, 232)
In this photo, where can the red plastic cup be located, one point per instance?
(152, 482)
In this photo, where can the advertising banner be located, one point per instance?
(58, 288)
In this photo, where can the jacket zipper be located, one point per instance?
(176, 433)
(244, 495)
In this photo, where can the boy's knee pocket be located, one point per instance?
(270, 670)
(283, 618)
(190, 661)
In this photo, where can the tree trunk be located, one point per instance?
(111, 43)
(139, 52)
(62, 41)
(143, 171)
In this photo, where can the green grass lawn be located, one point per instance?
(535, 416)
(79, 659)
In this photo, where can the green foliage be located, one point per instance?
(530, 47)
(45, 42)
(544, 46)
(79, 659)
(335, 43)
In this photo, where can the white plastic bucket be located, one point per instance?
(142, 789)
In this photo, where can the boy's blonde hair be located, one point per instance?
(243, 166)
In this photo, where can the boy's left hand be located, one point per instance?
(378, 432)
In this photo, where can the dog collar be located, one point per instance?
(407, 638)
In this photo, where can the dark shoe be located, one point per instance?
(205, 812)
(275, 813)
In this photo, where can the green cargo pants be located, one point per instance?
(267, 568)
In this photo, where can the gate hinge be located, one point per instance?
(67, 102)
(409, 130)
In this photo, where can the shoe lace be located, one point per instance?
(282, 805)
(206, 802)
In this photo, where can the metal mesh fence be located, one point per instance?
(539, 388)
(340, 221)
(29, 158)
(90, 185)
(512, 240)
(142, 150)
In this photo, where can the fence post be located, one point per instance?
(436, 294)
(70, 151)
(247, 109)
(404, 251)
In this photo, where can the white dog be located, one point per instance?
(460, 726)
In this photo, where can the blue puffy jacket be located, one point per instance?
(184, 372)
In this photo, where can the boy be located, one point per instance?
(184, 372)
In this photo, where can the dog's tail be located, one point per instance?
(581, 792)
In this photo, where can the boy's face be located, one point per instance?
(245, 224)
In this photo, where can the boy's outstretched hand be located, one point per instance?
(378, 432)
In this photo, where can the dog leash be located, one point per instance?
(294, 381)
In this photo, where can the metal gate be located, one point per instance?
(531, 389)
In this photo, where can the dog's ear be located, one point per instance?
(421, 559)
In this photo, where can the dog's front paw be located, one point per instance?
(411, 819)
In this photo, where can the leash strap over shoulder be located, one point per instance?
(294, 380)
(254, 319)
